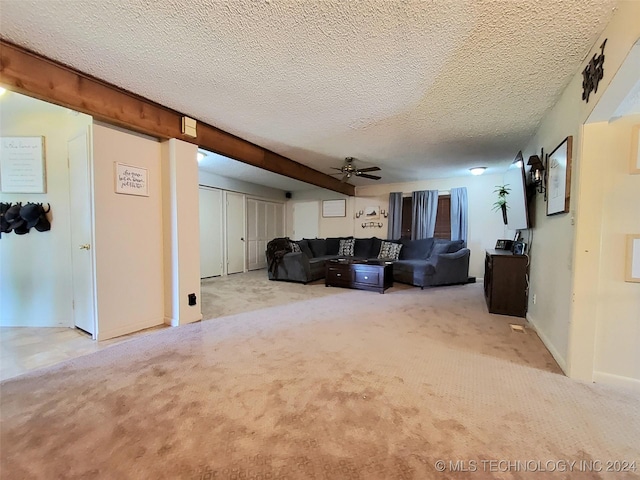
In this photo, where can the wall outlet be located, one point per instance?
(534, 298)
(192, 299)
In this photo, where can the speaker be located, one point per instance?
(288, 195)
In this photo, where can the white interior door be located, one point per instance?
(235, 232)
(306, 219)
(81, 233)
(211, 232)
(265, 221)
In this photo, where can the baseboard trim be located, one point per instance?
(562, 363)
(616, 380)
(127, 329)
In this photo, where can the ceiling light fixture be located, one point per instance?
(2, 91)
(477, 170)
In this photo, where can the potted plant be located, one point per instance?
(501, 203)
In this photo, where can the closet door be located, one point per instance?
(235, 232)
(253, 233)
(210, 232)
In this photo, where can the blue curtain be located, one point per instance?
(395, 216)
(425, 208)
(459, 217)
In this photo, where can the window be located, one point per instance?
(443, 217)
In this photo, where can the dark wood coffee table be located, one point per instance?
(375, 275)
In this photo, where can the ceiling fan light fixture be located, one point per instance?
(477, 170)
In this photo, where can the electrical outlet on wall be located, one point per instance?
(534, 299)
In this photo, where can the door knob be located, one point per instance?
(85, 246)
(242, 238)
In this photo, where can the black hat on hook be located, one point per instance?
(16, 222)
(43, 224)
(4, 224)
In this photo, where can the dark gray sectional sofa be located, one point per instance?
(424, 263)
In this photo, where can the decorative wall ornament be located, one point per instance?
(593, 73)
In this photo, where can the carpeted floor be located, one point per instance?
(347, 385)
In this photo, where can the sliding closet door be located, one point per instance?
(210, 232)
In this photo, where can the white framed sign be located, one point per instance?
(131, 180)
(632, 273)
(22, 165)
(334, 208)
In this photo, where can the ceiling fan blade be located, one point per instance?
(372, 177)
(336, 168)
(369, 169)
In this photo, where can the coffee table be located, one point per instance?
(374, 275)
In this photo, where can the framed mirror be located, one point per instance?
(559, 179)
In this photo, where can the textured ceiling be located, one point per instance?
(423, 89)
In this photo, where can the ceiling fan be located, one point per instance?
(348, 170)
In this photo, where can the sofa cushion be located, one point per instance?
(376, 243)
(304, 246)
(362, 248)
(416, 249)
(419, 267)
(390, 250)
(346, 247)
(333, 244)
(439, 248)
(447, 246)
(318, 246)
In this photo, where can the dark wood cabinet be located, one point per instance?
(376, 276)
(505, 282)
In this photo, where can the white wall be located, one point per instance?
(327, 227)
(217, 181)
(181, 225)
(35, 269)
(485, 226)
(128, 236)
(564, 256)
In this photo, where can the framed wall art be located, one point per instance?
(131, 180)
(559, 179)
(334, 208)
(22, 165)
(372, 213)
(632, 268)
(635, 149)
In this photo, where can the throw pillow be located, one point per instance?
(390, 250)
(304, 246)
(295, 247)
(346, 247)
(318, 246)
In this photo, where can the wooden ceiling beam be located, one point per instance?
(26, 72)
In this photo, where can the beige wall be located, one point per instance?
(565, 255)
(36, 287)
(128, 236)
(485, 226)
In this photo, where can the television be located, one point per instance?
(518, 208)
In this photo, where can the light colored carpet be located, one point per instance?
(350, 385)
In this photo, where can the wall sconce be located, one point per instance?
(537, 174)
(384, 213)
(359, 213)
